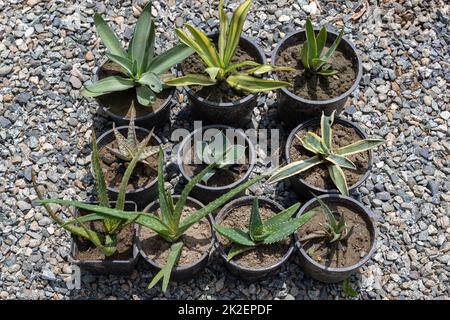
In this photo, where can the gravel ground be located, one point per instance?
(49, 49)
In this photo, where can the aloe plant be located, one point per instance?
(128, 147)
(168, 224)
(106, 241)
(311, 51)
(335, 230)
(142, 69)
(322, 147)
(219, 62)
(221, 151)
(272, 230)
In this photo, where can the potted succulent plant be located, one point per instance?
(234, 158)
(255, 240)
(338, 160)
(135, 76)
(338, 240)
(223, 82)
(327, 70)
(100, 244)
(179, 232)
(117, 148)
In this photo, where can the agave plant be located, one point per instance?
(219, 62)
(335, 229)
(142, 69)
(106, 241)
(272, 230)
(128, 147)
(222, 152)
(311, 51)
(322, 147)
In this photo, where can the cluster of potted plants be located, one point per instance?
(223, 73)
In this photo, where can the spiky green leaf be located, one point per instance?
(287, 228)
(256, 225)
(321, 40)
(235, 235)
(235, 31)
(236, 250)
(281, 217)
(166, 271)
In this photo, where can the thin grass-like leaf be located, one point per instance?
(334, 46)
(223, 28)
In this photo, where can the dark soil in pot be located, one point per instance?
(329, 262)
(221, 92)
(91, 259)
(221, 103)
(142, 187)
(224, 179)
(198, 241)
(316, 87)
(117, 104)
(317, 179)
(264, 259)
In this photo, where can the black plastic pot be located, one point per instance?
(236, 113)
(204, 193)
(105, 266)
(299, 185)
(246, 273)
(151, 120)
(184, 272)
(328, 274)
(293, 109)
(145, 194)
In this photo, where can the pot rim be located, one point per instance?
(252, 157)
(183, 267)
(364, 211)
(167, 103)
(244, 201)
(337, 119)
(111, 132)
(95, 261)
(245, 99)
(293, 96)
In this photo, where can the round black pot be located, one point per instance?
(293, 109)
(299, 185)
(328, 274)
(184, 272)
(204, 193)
(145, 194)
(236, 113)
(151, 120)
(105, 266)
(246, 273)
